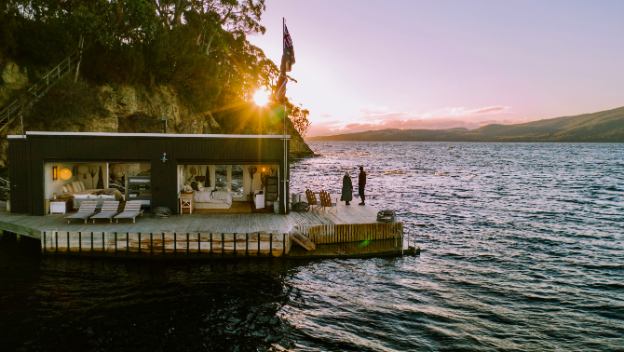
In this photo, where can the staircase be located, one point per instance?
(21, 104)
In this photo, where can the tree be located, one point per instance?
(299, 118)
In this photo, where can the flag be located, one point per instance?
(280, 88)
(288, 59)
(288, 55)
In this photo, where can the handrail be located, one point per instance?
(35, 91)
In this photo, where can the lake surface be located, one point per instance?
(523, 249)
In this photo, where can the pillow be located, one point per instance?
(75, 186)
(70, 188)
(82, 186)
(65, 190)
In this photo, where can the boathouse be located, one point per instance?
(54, 171)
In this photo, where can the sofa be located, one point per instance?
(77, 191)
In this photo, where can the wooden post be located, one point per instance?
(222, 244)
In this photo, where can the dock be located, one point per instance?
(340, 231)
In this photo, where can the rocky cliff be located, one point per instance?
(82, 106)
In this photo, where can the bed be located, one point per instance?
(212, 199)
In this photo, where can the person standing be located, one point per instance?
(362, 185)
(347, 188)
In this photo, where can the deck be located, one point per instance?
(338, 232)
(33, 226)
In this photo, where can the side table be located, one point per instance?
(60, 206)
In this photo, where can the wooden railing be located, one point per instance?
(204, 244)
(20, 105)
(344, 233)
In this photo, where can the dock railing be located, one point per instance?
(344, 233)
(258, 244)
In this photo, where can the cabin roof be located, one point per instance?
(154, 135)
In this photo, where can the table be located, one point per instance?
(59, 206)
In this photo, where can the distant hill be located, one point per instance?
(603, 126)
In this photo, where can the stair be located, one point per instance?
(21, 104)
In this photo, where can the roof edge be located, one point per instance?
(152, 135)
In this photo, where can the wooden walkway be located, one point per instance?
(342, 231)
(33, 226)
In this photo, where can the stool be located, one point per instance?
(186, 202)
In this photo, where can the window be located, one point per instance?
(221, 179)
(237, 181)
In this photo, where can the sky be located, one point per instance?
(373, 64)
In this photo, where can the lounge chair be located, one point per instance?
(132, 209)
(87, 209)
(326, 200)
(311, 198)
(109, 209)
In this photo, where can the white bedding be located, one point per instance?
(213, 197)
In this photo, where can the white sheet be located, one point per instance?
(212, 197)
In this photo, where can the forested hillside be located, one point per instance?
(187, 61)
(603, 126)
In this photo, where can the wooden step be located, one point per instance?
(303, 241)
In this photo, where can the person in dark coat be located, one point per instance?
(347, 188)
(362, 185)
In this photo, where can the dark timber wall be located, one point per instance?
(27, 158)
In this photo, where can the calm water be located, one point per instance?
(523, 249)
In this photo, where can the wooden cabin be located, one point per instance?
(55, 171)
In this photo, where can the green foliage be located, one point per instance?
(198, 46)
(65, 107)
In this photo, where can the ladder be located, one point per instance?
(21, 104)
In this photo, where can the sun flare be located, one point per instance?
(261, 97)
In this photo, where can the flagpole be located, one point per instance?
(285, 195)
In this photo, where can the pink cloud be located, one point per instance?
(448, 117)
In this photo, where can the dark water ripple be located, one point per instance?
(523, 250)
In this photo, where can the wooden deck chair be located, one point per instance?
(109, 209)
(87, 209)
(311, 198)
(132, 209)
(326, 200)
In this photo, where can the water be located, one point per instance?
(523, 249)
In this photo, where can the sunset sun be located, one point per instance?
(261, 97)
